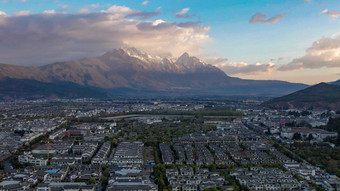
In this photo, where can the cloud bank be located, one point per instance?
(323, 53)
(242, 68)
(41, 38)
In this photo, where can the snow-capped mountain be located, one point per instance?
(183, 64)
(133, 70)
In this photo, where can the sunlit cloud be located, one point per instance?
(145, 2)
(2, 13)
(323, 53)
(215, 61)
(28, 38)
(49, 12)
(22, 13)
(237, 68)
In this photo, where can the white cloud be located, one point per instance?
(49, 12)
(23, 13)
(183, 13)
(215, 61)
(145, 2)
(262, 18)
(2, 13)
(37, 39)
(88, 8)
(243, 68)
(323, 53)
(118, 10)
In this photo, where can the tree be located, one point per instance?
(310, 137)
(212, 167)
(92, 180)
(211, 189)
(297, 136)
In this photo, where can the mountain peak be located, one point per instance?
(131, 50)
(190, 62)
(185, 55)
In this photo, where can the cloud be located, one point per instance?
(323, 53)
(183, 13)
(308, 1)
(145, 2)
(40, 38)
(188, 24)
(215, 61)
(144, 15)
(262, 18)
(237, 68)
(333, 14)
(275, 19)
(2, 13)
(22, 13)
(88, 8)
(49, 12)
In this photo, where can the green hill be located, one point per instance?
(320, 96)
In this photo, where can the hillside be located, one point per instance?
(336, 82)
(32, 89)
(320, 96)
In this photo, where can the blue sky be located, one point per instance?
(253, 50)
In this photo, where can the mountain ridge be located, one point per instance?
(32, 89)
(132, 69)
(319, 96)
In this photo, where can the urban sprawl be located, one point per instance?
(179, 145)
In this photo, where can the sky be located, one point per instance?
(290, 40)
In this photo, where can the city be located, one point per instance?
(170, 95)
(146, 144)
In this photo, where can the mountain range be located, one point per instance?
(336, 82)
(129, 71)
(321, 96)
